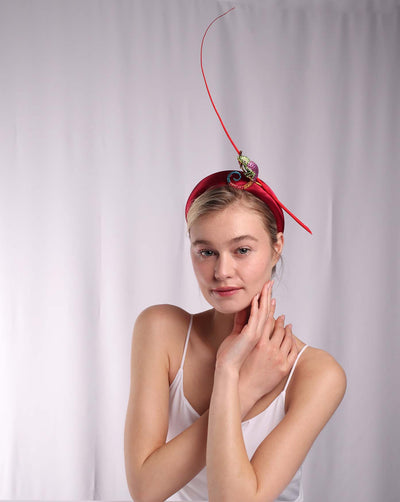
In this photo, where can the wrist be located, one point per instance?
(225, 395)
(226, 372)
(247, 401)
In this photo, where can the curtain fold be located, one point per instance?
(105, 126)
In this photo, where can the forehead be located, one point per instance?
(228, 224)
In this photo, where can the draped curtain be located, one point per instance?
(105, 126)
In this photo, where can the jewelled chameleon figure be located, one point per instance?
(249, 168)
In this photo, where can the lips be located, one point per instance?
(227, 291)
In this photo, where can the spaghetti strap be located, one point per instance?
(186, 342)
(294, 366)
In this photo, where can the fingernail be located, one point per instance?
(273, 302)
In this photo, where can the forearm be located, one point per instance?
(170, 467)
(230, 474)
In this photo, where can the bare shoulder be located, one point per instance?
(318, 378)
(161, 315)
(159, 335)
(319, 363)
(160, 323)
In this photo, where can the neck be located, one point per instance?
(220, 327)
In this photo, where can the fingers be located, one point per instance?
(253, 318)
(262, 309)
(284, 342)
(266, 298)
(241, 319)
(288, 345)
(278, 333)
(267, 309)
(293, 350)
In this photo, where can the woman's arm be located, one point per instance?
(148, 458)
(315, 392)
(155, 470)
(317, 389)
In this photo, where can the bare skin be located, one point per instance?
(238, 360)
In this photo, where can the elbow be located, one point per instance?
(134, 487)
(235, 498)
(140, 494)
(134, 492)
(240, 494)
(228, 495)
(142, 488)
(138, 497)
(138, 486)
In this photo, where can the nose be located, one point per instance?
(224, 267)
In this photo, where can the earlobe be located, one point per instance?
(278, 247)
(279, 243)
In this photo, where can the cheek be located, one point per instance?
(201, 268)
(260, 271)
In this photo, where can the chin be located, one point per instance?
(229, 307)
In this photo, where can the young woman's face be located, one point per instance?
(232, 256)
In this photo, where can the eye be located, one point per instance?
(206, 253)
(243, 251)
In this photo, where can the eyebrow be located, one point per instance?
(234, 240)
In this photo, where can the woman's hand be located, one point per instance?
(271, 358)
(261, 349)
(245, 334)
(249, 326)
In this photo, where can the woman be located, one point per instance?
(230, 389)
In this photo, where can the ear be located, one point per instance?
(278, 247)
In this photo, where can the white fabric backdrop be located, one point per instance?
(101, 100)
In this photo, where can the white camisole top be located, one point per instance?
(255, 430)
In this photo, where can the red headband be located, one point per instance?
(257, 187)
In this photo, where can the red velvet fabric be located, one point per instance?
(257, 188)
(263, 192)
